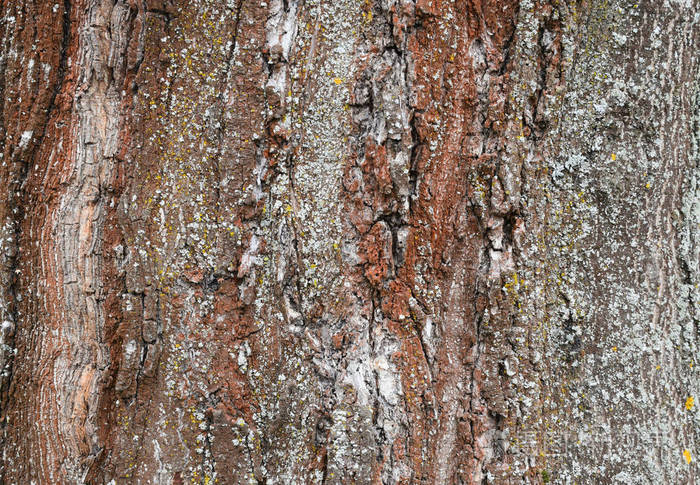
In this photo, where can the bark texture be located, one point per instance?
(349, 241)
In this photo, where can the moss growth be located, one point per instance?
(545, 476)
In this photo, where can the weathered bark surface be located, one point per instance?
(386, 241)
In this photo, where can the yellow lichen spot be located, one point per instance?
(613, 156)
(686, 455)
(338, 81)
(689, 403)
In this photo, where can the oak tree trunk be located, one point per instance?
(349, 241)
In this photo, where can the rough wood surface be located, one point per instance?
(349, 241)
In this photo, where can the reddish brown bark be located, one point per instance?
(348, 242)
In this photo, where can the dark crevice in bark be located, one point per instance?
(684, 258)
(58, 86)
(508, 46)
(149, 348)
(18, 207)
(324, 469)
(414, 173)
(168, 16)
(133, 15)
(296, 242)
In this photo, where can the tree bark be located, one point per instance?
(380, 241)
